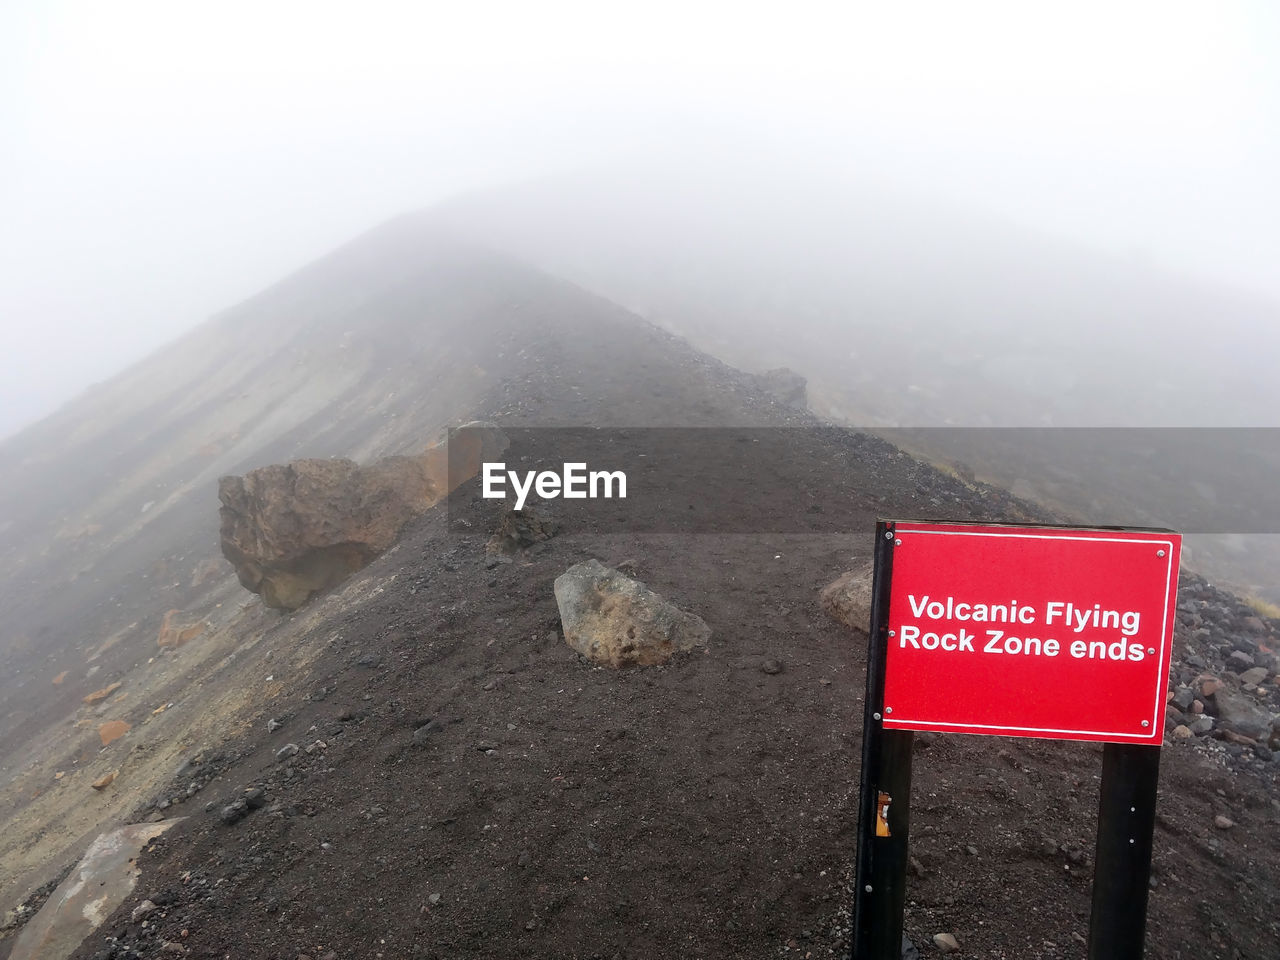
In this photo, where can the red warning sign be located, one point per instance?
(1031, 631)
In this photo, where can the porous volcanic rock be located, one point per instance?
(292, 530)
(619, 622)
(848, 598)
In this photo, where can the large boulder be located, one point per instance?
(292, 530)
(619, 622)
(848, 598)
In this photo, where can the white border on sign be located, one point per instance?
(1157, 730)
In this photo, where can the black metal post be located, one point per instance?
(1122, 864)
(885, 791)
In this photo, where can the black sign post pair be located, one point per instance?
(1126, 817)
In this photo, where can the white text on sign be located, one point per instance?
(1119, 628)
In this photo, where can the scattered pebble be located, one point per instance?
(946, 942)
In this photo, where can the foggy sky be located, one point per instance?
(161, 161)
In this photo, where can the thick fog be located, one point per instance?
(162, 161)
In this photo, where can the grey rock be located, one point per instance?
(255, 798)
(946, 943)
(234, 812)
(619, 622)
(1183, 698)
(1202, 725)
(1243, 715)
(143, 910)
(771, 666)
(1239, 658)
(848, 598)
(909, 950)
(287, 751)
(1254, 675)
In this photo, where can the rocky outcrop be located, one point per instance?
(86, 897)
(292, 530)
(848, 598)
(619, 622)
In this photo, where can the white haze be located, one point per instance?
(162, 160)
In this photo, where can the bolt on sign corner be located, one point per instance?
(1030, 631)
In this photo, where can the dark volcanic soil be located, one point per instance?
(701, 809)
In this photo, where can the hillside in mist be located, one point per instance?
(905, 312)
(416, 761)
(902, 310)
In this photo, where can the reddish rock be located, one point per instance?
(295, 529)
(112, 731)
(99, 695)
(173, 635)
(1208, 685)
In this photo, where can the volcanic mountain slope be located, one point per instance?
(703, 809)
(109, 508)
(550, 808)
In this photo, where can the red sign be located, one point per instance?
(1031, 631)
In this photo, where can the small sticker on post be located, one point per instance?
(882, 814)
